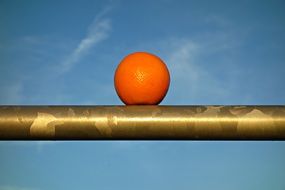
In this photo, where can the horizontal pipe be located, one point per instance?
(142, 122)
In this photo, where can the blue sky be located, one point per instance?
(218, 52)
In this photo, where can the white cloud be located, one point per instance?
(195, 76)
(203, 68)
(182, 62)
(97, 32)
(190, 80)
(50, 57)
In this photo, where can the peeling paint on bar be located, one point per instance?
(142, 122)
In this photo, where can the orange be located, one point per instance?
(141, 78)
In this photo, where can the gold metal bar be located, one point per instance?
(142, 122)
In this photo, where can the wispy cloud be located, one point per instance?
(97, 32)
(48, 54)
(191, 79)
(205, 68)
(195, 75)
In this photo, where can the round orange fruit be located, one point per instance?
(141, 78)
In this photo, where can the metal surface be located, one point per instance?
(142, 122)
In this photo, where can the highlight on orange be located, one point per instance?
(141, 78)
